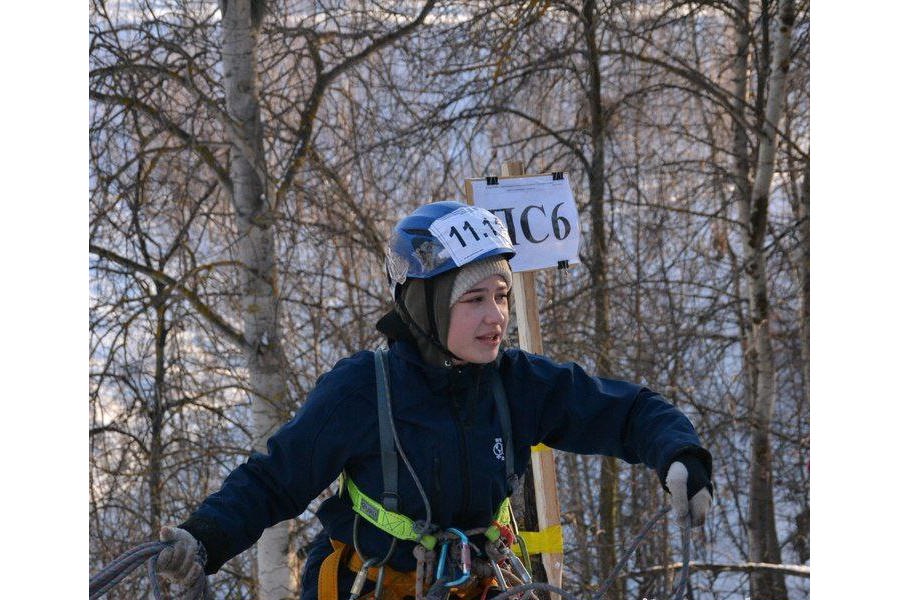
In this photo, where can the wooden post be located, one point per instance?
(543, 466)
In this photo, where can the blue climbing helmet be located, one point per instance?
(441, 236)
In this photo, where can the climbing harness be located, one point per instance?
(496, 566)
(125, 563)
(383, 514)
(444, 559)
(401, 527)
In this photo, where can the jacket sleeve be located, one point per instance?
(304, 457)
(572, 411)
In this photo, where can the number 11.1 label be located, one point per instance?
(470, 231)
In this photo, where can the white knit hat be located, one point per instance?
(472, 273)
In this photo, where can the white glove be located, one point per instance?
(697, 505)
(180, 562)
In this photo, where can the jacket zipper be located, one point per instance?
(436, 476)
(463, 453)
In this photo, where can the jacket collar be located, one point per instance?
(443, 382)
(403, 345)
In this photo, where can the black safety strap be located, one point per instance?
(506, 429)
(389, 498)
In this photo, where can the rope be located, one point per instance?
(117, 570)
(685, 560)
(678, 592)
(607, 583)
(535, 585)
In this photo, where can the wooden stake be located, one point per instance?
(542, 460)
(543, 464)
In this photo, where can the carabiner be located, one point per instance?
(360, 579)
(465, 556)
(517, 566)
(498, 575)
(379, 583)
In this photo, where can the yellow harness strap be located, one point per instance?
(402, 527)
(397, 584)
(328, 572)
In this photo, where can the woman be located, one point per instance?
(465, 413)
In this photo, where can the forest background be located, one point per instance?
(862, 275)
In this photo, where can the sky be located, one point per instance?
(855, 302)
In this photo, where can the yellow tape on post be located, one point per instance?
(541, 448)
(546, 541)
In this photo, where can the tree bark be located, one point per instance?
(259, 278)
(803, 217)
(157, 408)
(609, 474)
(754, 210)
(715, 568)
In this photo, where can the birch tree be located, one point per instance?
(754, 208)
(258, 275)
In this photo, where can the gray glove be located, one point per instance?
(679, 482)
(181, 562)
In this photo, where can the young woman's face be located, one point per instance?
(478, 321)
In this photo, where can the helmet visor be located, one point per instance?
(464, 235)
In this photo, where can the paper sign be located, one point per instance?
(540, 215)
(468, 232)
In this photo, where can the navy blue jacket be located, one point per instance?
(448, 426)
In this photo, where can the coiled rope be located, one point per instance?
(124, 564)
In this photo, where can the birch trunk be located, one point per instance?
(259, 278)
(754, 210)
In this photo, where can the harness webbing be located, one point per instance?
(389, 497)
(506, 427)
(383, 515)
(398, 525)
(402, 527)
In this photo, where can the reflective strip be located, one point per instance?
(401, 526)
(503, 516)
(395, 524)
(546, 541)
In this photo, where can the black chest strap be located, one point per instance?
(389, 498)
